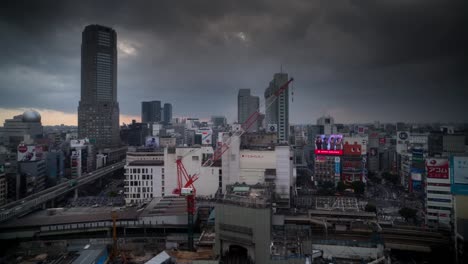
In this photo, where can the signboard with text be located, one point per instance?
(437, 168)
(459, 174)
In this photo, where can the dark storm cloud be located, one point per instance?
(357, 60)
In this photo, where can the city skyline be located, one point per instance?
(355, 61)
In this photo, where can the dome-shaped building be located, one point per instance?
(31, 116)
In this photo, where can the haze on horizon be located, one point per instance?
(358, 61)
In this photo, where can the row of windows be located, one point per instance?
(139, 189)
(439, 192)
(141, 170)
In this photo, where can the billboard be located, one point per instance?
(402, 141)
(207, 136)
(337, 166)
(152, 142)
(437, 168)
(29, 152)
(361, 140)
(329, 145)
(352, 150)
(459, 174)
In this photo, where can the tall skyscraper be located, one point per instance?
(167, 113)
(277, 115)
(151, 112)
(246, 105)
(98, 111)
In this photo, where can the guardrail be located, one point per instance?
(25, 205)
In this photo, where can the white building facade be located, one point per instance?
(439, 199)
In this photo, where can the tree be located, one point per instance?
(408, 213)
(389, 177)
(370, 208)
(327, 188)
(359, 187)
(341, 187)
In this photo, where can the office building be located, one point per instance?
(151, 112)
(134, 134)
(3, 186)
(219, 121)
(259, 164)
(98, 110)
(144, 179)
(277, 113)
(328, 124)
(55, 167)
(14, 130)
(246, 105)
(167, 113)
(32, 178)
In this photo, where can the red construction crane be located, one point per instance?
(188, 189)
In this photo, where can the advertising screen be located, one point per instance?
(29, 152)
(152, 142)
(329, 145)
(437, 168)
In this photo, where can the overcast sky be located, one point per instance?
(359, 61)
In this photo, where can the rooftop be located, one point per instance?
(257, 196)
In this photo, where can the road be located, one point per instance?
(31, 202)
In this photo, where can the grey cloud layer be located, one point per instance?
(358, 60)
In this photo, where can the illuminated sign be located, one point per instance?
(437, 168)
(329, 152)
(329, 144)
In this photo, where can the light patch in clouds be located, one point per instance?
(127, 48)
(51, 117)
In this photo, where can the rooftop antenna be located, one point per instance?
(281, 68)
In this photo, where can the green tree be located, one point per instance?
(389, 177)
(408, 213)
(341, 187)
(370, 208)
(327, 188)
(359, 187)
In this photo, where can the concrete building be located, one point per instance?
(158, 171)
(82, 159)
(151, 112)
(167, 113)
(260, 165)
(55, 167)
(278, 111)
(218, 121)
(144, 180)
(243, 225)
(3, 186)
(135, 133)
(32, 178)
(98, 110)
(246, 105)
(328, 124)
(439, 199)
(14, 130)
